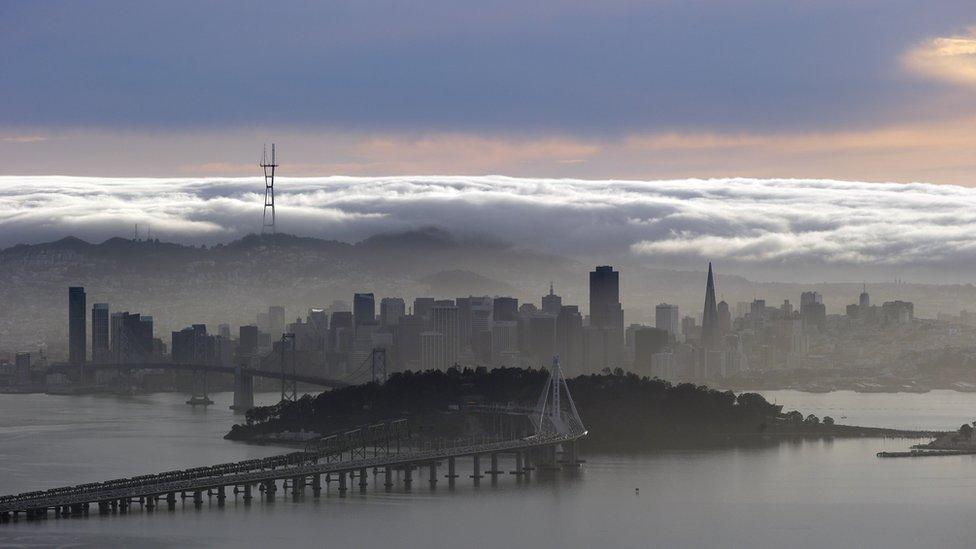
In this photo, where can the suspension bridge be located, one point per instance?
(373, 368)
(391, 451)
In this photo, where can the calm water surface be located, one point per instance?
(789, 494)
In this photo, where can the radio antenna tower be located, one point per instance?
(269, 173)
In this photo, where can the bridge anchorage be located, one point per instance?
(544, 437)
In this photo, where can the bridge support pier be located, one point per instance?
(197, 498)
(342, 483)
(451, 474)
(476, 468)
(407, 476)
(247, 494)
(433, 475)
(362, 480)
(316, 485)
(388, 480)
(243, 390)
(123, 506)
(221, 495)
(171, 501)
(519, 471)
(150, 503)
(494, 472)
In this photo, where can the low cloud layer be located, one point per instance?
(752, 223)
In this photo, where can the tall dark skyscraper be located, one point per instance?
(606, 318)
(363, 309)
(99, 321)
(605, 298)
(710, 328)
(77, 310)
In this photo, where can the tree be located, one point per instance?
(966, 431)
(794, 417)
(827, 420)
(812, 420)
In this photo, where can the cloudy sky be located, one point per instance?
(777, 104)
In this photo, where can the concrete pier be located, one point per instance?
(451, 473)
(519, 471)
(342, 483)
(316, 485)
(494, 471)
(407, 476)
(433, 475)
(476, 468)
(388, 482)
(362, 480)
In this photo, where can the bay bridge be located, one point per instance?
(371, 369)
(546, 437)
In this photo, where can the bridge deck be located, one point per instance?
(285, 466)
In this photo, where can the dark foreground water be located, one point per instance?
(789, 494)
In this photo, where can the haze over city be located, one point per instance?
(554, 274)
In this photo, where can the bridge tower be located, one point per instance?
(379, 365)
(288, 363)
(199, 396)
(549, 415)
(243, 390)
(269, 205)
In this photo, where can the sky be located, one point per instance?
(804, 99)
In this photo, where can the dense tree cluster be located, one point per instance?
(620, 410)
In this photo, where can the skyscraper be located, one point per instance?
(605, 298)
(551, 303)
(504, 309)
(667, 317)
(724, 319)
(100, 341)
(710, 329)
(445, 318)
(363, 309)
(864, 300)
(276, 321)
(422, 306)
(569, 339)
(606, 315)
(77, 350)
(391, 309)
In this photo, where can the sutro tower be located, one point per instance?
(269, 173)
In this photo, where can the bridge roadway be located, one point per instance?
(340, 454)
(301, 378)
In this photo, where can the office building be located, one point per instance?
(101, 352)
(391, 309)
(363, 309)
(667, 318)
(77, 333)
